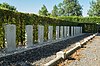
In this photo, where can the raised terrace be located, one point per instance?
(62, 38)
(33, 53)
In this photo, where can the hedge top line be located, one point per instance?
(14, 17)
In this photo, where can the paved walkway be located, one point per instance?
(88, 56)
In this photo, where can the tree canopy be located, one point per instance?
(55, 11)
(66, 8)
(94, 8)
(70, 8)
(7, 7)
(43, 11)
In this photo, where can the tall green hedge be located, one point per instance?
(81, 19)
(22, 19)
(89, 24)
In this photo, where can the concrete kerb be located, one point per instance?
(88, 39)
(69, 52)
(53, 62)
(95, 34)
(63, 55)
(78, 44)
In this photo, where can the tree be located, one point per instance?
(7, 7)
(94, 8)
(70, 8)
(43, 11)
(55, 11)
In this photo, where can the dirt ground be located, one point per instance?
(89, 55)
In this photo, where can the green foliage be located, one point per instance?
(60, 9)
(70, 8)
(6, 6)
(94, 8)
(55, 11)
(78, 19)
(22, 19)
(43, 11)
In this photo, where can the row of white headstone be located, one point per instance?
(62, 32)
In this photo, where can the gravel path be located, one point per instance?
(87, 56)
(41, 55)
(63, 45)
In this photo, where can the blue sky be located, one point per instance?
(33, 6)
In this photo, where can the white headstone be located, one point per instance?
(65, 31)
(50, 33)
(61, 32)
(40, 34)
(10, 38)
(81, 29)
(78, 30)
(72, 31)
(68, 31)
(29, 35)
(57, 32)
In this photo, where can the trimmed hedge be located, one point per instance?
(22, 19)
(81, 19)
(89, 24)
